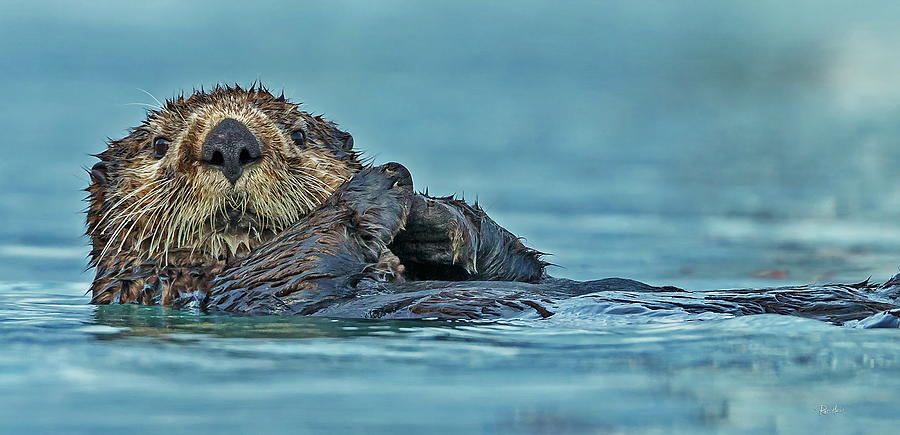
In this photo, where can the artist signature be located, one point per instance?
(826, 410)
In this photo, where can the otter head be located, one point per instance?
(211, 176)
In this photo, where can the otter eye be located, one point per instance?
(160, 146)
(299, 138)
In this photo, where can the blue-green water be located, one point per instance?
(68, 367)
(706, 144)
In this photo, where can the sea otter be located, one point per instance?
(207, 179)
(235, 200)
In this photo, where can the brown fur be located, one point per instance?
(310, 232)
(159, 226)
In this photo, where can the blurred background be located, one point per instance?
(699, 143)
(704, 144)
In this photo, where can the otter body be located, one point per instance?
(236, 201)
(355, 277)
(240, 186)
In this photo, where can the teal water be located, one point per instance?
(706, 145)
(72, 368)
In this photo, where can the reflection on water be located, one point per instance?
(132, 320)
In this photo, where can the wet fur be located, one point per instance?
(370, 248)
(157, 231)
(350, 248)
(153, 216)
(346, 282)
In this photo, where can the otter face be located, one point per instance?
(213, 174)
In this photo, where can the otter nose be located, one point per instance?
(230, 146)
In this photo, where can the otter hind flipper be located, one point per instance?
(449, 239)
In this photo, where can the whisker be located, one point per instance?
(134, 192)
(123, 221)
(151, 96)
(152, 106)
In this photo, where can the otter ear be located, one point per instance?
(99, 173)
(347, 141)
(338, 137)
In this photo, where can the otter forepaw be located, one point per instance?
(380, 199)
(323, 257)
